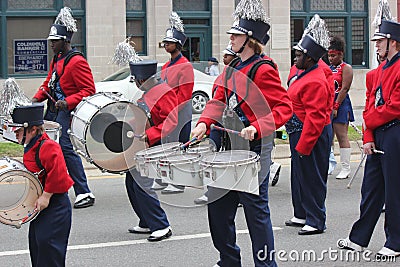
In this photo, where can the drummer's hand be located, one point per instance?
(61, 104)
(368, 148)
(34, 100)
(248, 133)
(199, 131)
(43, 201)
(334, 113)
(144, 138)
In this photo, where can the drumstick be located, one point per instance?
(378, 151)
(48, 95)
(185, 145)
(224, 129)
(27, 217)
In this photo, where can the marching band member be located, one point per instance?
(246, 109)
(342, 108)
(310, 132)
(69, 80)
(382, 145)
(160, 101)
(178, 73)
(215, 135)
(49, 232)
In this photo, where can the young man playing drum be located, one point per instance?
(161, 102)
(67, 84)
(49, 232)
(245, 109)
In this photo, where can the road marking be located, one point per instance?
(126, 243)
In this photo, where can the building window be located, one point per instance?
(348, 19)
(25, 51)
(136, 24)
(190, 5)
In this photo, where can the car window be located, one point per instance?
(118, 75)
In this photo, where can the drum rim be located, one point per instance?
(33, 181)
(174, 159)
(254, 158)
(153, 150)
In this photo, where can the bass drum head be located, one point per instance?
(19, 190)
(112, 136)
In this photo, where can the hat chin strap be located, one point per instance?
(23, 137)
(387, 48)
(244, 44)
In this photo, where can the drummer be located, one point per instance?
(246, 110)
(160, 101)
(49, 232)
(68, 81)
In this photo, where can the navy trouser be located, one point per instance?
(73, 161)
(309, 175)
(222, 209)
(381, 185)
(49, 232)
(145, 202)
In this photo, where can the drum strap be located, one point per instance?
(39, 163)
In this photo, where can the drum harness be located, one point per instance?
(233, 116)
(39, 163)
(54, 85)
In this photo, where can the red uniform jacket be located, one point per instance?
(162, 102)
(294, 72)
(267, 106)
(76, 81)
(180, 76)
(310, 95)
(52, 159)
(387, 75)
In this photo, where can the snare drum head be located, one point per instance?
(109, 137)
(19, 190)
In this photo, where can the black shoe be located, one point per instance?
(294, 224)
(84, 203)
(310, 232)
(159, 238)
(139, 230)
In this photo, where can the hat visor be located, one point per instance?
(235, 31)
(227, 52)
(170, 39)
(297, 47)
(377, 37)
(55, 37)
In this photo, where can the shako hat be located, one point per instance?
(251, 19)
(315, 39)
(142, 70)
(64, 26)
(175, 33)
(29, 115)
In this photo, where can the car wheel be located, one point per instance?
(199, 101)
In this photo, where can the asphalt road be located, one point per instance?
(99, 234)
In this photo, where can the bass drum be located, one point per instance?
(105, 130)
(19, 190)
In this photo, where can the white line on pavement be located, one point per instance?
(125, 243)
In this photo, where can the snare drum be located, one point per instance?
(104, 130)
(201, 148)
(19, 190)
(232, 169)
(53, 130)
(147, 159)
(181, 169)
